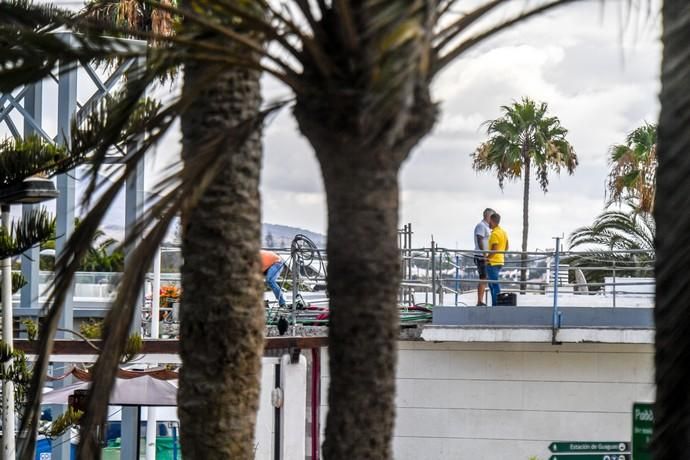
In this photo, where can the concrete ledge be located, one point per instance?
(433, 333)
(571, 317)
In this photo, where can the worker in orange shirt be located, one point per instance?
(271, 266)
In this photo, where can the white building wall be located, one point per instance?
(508, 401)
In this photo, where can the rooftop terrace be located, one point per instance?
(567, 296)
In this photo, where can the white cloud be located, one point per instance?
(599, 76)
(600, 85)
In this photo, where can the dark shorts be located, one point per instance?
(481, 267)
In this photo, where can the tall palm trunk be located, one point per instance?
(360, 174)
(672, 213)
(361, 181)
(525, 220)
(221, 336)
(364, 275)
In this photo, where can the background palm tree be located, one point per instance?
(361, 73)
(629, 231)
(525, 137)
(633, 168)
(672, 214)
(615, 230)
(632, 185)
(104, 254)
(137, 15)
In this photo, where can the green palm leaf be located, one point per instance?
(25, 233)
(616, 230)
(633, 169)
(27, 157)
(18, 282)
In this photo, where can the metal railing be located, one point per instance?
(603, 278)
(437, 276)
(432, 273)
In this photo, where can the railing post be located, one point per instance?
(295, 290)
(614, 283)
(155, 295)
(410, 295)
(426, 277)
(556, 320)
(401, 247)
(457, 278)
(433, 273)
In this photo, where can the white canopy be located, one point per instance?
(139, 391)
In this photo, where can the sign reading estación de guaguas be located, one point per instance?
(589, 446)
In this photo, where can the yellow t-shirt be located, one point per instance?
(498, 236)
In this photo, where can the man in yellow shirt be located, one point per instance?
(498, 241)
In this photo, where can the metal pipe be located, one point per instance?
(315, 401)
(155, 295)
(174, 442)
(556, 322)
(8, 447)
(457, 278)
(151, 415)
(433, 273)
(151, 425)
(295, 290)
(426, 277)
(410, 295)
(614, 284)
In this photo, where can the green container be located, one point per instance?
(165, 448)
(110, 453)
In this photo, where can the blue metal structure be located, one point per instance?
(28, 103)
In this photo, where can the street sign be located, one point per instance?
(591, 457)
(643, 423)
(589, 446)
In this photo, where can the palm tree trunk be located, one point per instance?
(222, 320)
(672, 213)
(360, 173)
(525, 221)
(363, 280)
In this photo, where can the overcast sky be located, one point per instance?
(599, 76)
(597, 71)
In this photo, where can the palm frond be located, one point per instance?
(193, 181)
(445, 56)
(25, 233)
(633, 165)
(31, 156)
(447, 34)
(190, 183)
(23, 13)
(119, 121)
(616, 230)
(18, 282)
(31, 55)
(66, 267)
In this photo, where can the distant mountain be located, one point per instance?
(272, 235)
(280, 236)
